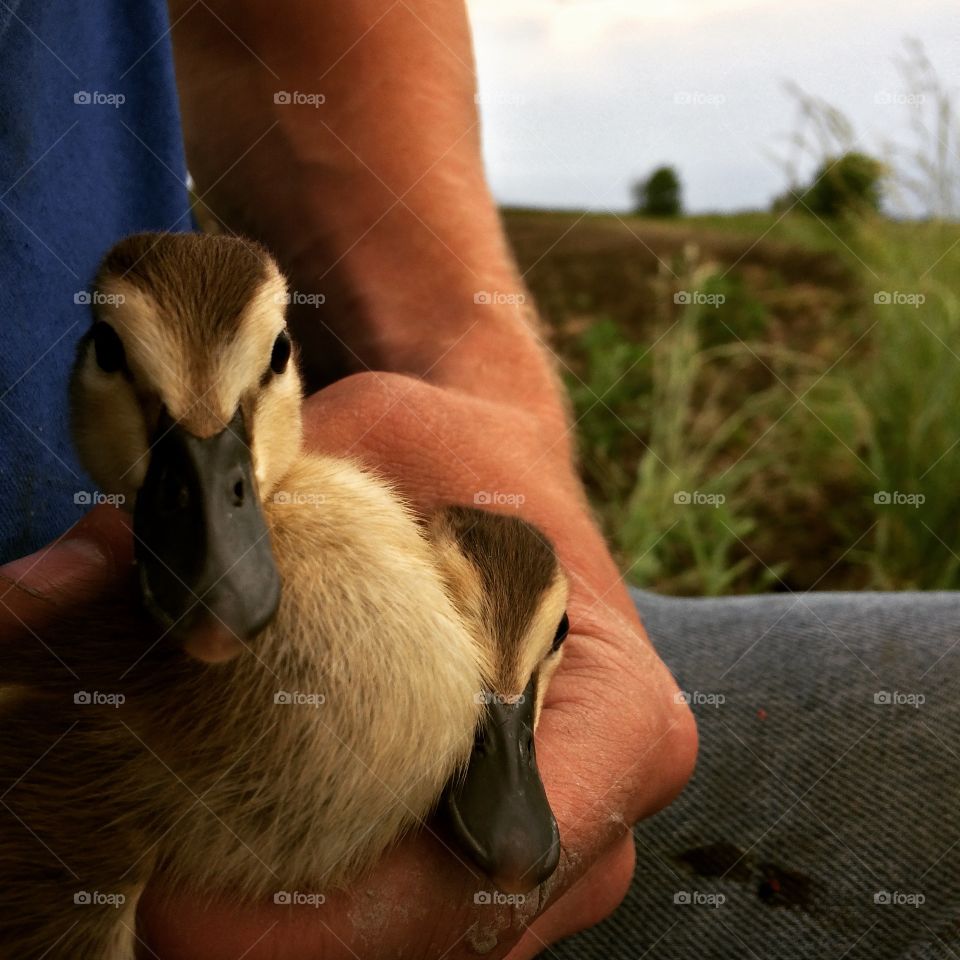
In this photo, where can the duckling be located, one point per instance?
(310, 666)
(506, 583)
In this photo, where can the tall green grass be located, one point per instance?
(721, 460)
(899, 409)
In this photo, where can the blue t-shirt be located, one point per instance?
(90, 150)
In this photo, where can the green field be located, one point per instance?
(741, 441)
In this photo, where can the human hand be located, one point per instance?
(92, 558)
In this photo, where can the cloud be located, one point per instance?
(579, 97)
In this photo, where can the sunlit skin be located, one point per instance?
(465, 400)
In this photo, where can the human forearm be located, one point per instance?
(375, 198)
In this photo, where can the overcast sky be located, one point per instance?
(578, 97)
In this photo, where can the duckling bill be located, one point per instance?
(207, 571)
(499, 811)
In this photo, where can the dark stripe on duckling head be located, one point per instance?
(516, 565)
(204, 278)
(200, 287)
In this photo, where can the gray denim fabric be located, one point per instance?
(827, 781)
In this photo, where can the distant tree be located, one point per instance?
(845, 185)
(659, 194)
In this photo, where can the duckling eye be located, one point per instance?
(561, 634)
(281, 353)
(108, 348)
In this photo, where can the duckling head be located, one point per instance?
(185, 403)
(509, 586)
